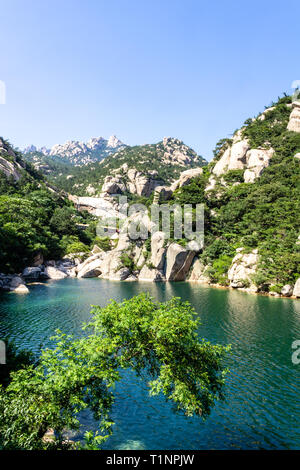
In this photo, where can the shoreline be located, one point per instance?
(32, 282)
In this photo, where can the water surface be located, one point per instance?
(262, 407)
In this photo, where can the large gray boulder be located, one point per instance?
(158, 250)
(242, 268)
(120, 275)
(287, 290)
(186, 177)
(111, 263)
(296, 291)
(17, 285)
(197, 272)
(294, 121)
(234, 157)
(32, 272)
(150, 274)
(54, 273)
(179, 260)
(257, 160)
(91, 267)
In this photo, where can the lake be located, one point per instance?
(262, 407)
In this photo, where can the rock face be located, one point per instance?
(91, 267)
(197, 273)
(287, 290)
(239, 156)
(54, 273)
(158, 250)
(81, 153)
(132, 180)
(21, 289)
(241, 269)
(186, 177)
(179, 261)
(111, 264)
(151, 274)
(257, 160)
(32, 273)
(10, 169)
(294, 122)
(234, 157)
(13, 283)
(296, 291)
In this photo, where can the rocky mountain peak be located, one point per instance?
(81, 153)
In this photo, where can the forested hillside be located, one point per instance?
(262, 213)
(167, 158)
(34, 218)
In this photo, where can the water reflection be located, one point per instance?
(262, 406)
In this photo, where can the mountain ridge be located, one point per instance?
(78, 152)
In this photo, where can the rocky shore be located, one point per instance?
(165, 262)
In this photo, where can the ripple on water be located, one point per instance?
(262, 405)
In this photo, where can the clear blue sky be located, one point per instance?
(142, 69)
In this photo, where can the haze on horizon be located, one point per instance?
(141, 70)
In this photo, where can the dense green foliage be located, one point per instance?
(34, 219)
(263, 214)
(144, 158)
(159, 341)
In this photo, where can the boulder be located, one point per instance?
(287, 290)
(111, 264)
(21, 289)
(150, 274)
(179, 261)
(294, 121)
(243, 266)
(197, 272)
(296, 291)
(72, 272)
(158, 250)
(54, 273)
(32, 272)
(257, 160)
(10, 169)
(15, 281)
(131, 278)
(91, 267)
(120, 275)
(237, 160)
(145, 185)
(162, 193)
(186, 177)
(50, 263)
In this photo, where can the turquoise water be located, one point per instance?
(262, 409)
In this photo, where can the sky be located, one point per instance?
(142, 69)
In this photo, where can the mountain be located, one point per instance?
(251, 197)
(163, 161)
(78, 153)
(36, 220)
(250, 192)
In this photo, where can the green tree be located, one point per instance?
(157, 340)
